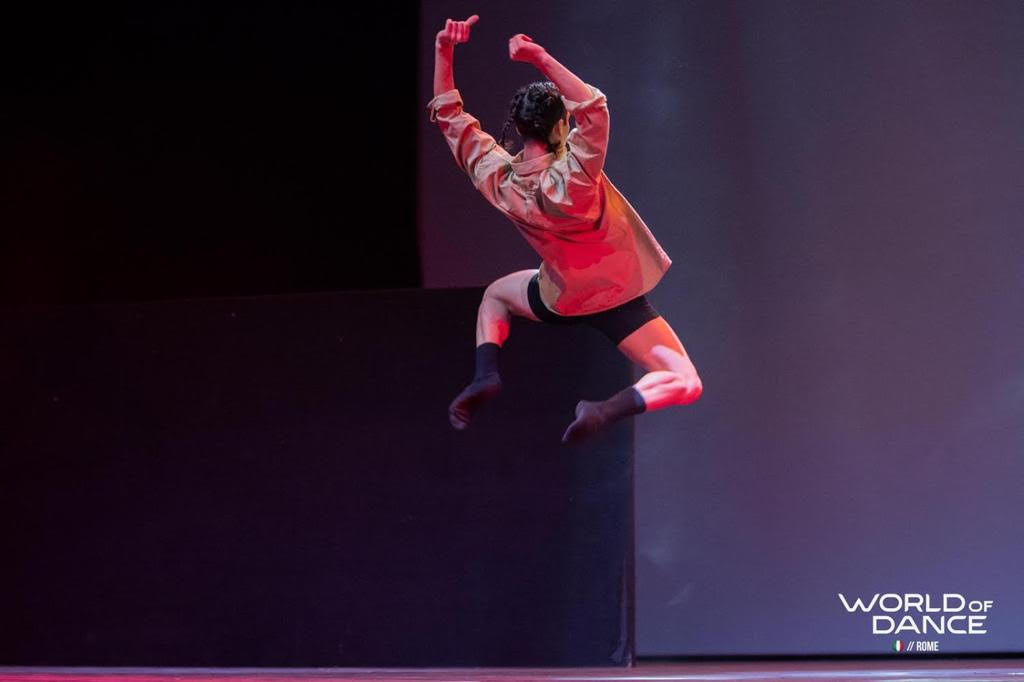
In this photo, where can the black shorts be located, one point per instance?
(616, 323)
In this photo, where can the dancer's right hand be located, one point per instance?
(521, 48)
(456, 31)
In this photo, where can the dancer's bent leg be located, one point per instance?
(503, 298)
(671, 379)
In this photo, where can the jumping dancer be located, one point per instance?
(599, 259)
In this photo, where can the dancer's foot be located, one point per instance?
(481, 391)
(591, 416)
(588, 421)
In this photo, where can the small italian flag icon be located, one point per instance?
(899, 645)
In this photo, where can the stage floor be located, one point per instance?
(912, 670)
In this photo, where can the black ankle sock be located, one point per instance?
(486, 359)
(485, 386)
(593, 416)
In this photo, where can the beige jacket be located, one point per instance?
(597, 253)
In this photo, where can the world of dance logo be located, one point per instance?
(915, 613)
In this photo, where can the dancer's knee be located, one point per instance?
(492, 299)
(495, 294)
(688, 387)
(509, 296)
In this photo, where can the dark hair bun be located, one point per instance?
(536, 108)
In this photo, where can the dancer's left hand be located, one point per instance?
(521, 48)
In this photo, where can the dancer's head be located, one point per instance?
(538, 113)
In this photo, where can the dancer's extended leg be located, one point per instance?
(503, 298)
(671, 379)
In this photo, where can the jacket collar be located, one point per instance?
(537, 163)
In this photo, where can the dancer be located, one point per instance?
(599, 259)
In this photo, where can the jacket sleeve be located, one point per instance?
(476, 153)
(588, 141)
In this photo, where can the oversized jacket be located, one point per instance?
(596, 251)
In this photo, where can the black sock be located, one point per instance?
(593, 416)
(485, 386)
(486, 359)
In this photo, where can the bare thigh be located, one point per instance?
(511, 291)
(655, 346)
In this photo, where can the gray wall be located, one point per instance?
(839, 186)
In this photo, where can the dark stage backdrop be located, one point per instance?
(839, 185)
(273, 482)
(167, 149)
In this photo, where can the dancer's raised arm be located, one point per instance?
(521, 48)
(476, 152)
(588, 143)
(444, 48)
